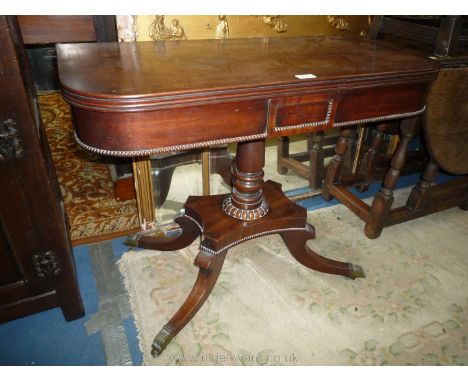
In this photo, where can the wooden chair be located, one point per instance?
(439, 35)
(319, 147)
(443, 36)
(444, 126)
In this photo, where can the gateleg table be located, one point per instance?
(137, 99)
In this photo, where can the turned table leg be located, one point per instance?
(366, 166)
(374, 148)
(350, 151)
(247, 201)
(316, 159)
(383, 200)
(282, 152)
(416, 198)
(336, 165)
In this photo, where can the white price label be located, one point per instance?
(305, 76)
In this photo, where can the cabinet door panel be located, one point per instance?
(9, 272)
(36, 264)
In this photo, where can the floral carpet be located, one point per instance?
(84, 178)
(267, 309)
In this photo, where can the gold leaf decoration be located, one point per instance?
(159, 31)
(275, 22)
(338, 22)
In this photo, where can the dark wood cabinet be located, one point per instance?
(36, 264)
(41, 33)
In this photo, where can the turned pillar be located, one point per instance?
(247, 201)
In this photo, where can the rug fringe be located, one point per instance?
(127, 280)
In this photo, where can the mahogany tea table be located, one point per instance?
(138, 99)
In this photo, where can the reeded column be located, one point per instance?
(247, 201)
(144, 190)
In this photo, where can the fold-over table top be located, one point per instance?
(132, 71)
(142, 98)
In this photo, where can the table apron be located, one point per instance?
(149, 132)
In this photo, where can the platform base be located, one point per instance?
(204, 215)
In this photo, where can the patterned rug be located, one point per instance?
(85, 182)
(411, 309)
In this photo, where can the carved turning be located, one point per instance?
(408, 130)
(11, 146)
(244, 214)
(247, 201)
(247, 189)
(374, 148)
(384, 198)
(336, 164)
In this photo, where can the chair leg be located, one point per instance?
(416, 200)
(383, 200)
(283, 152)
(336, 165)
(316, 160)
(374, 148)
